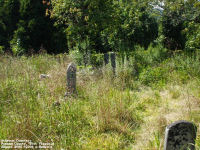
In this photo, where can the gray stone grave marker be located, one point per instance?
(71, 80)
(113, 61)
(180, 135)
(106, 58)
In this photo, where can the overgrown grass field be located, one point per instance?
(127, 111)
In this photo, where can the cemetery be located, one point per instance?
(100, 74)
(57, 97)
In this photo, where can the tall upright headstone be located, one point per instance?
(106, 58)
(71, 80)
(113, 61)
(180, 135)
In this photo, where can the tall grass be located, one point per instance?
(129, 110)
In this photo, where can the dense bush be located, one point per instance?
(97, 26)
(9, 17)
(106, 25)
(193, 36)
(180, 24)
(97, 60)
(172, 26)
(154, 76)
(25, 27)
(150, 57)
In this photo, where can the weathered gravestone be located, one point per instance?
(180, 135)
(113, 61)
(106, 58)
(71, 80)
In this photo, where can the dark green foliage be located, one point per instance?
(104, 26)
(133, 24)
(97, 60)
(150, 57)
(9, 16)
(85, 20)
(26, 27)
(35, 29)
(180, 23)
(172, 28)
(154, 76)
(58, 40)
(192, 26)
(93, 26)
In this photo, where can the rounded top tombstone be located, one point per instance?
(71, 78)
(71, 67)
(180, 135)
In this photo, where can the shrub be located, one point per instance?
(2, 49)
(76, 56)
(96, 60)
(15, 46)
(154, 76)
(151, 56)
(193, 36)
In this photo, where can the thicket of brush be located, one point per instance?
(127, 111)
